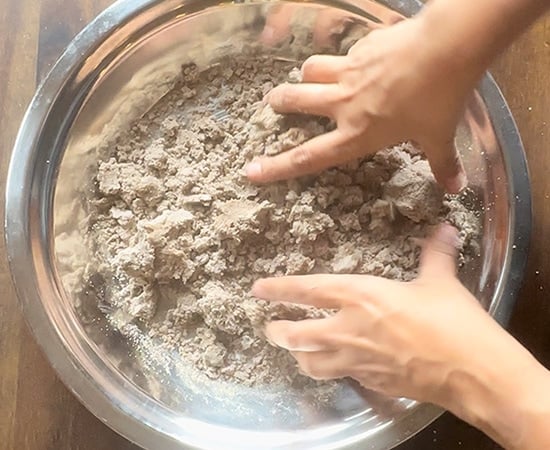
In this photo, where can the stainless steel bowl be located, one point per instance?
(112, 72)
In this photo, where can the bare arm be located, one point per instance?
(503, 392)
(409, 81)
(505, 396)
(468, 35)
(428, 340)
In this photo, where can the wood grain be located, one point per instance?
(36, 410)
(523, 74)
(17, 68)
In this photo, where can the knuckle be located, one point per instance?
(354, 60)
(310, 367)
(293, 338)
(286, 96)
(301, 158)
(346, 92)
(359, 51)
(354, 128)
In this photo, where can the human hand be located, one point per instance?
(394, 85)
(327, 23)
(429, 340)
(400, 339)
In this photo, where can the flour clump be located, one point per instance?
(179, 235)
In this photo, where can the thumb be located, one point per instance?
(446, 164)
(438, 258)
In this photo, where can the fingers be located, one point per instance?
(311, 335)
(277, 26)
(305, 98)
(446, 165)
(322, 291)
(324, 365)
(319, 153)
(323, 68)
(438, 258)
(330, 22)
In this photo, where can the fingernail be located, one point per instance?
(271, 99)
(458, 183)
(253, 169)
(276, 97)
(256, 289)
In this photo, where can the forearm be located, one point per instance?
(506, 395)
(467, 35)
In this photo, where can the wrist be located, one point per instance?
(447, 54)
(505, 396)
(465, 36)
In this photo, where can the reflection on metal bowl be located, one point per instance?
(119, 66)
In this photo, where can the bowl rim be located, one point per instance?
(19, 215)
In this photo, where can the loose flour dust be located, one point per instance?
(179, 235)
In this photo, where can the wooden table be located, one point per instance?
(36, 410)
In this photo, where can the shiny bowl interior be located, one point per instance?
(113, 72)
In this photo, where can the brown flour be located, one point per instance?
(179, 235)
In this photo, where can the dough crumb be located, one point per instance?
(178, 235)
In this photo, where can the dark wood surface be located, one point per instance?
(36, 410)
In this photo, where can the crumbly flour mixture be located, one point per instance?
(179, 235)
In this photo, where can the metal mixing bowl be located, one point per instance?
(111, 73)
